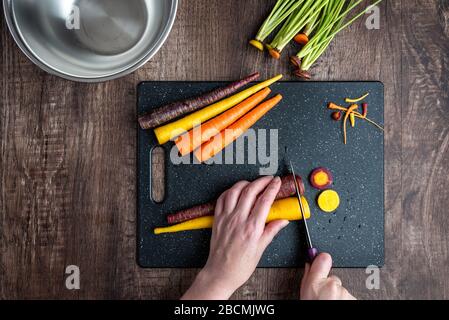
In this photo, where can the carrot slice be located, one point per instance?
(230, 134)
(321, 178)
(329, 201)
(197, 136)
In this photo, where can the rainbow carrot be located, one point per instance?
(285, 209)
(230, 134)
(176, 109)
(198, 135)
(174, 129)
(287, 190)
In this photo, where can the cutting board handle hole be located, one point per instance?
(157, 183)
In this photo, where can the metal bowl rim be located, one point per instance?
(44, 66)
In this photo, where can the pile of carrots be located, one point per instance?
(209, 123)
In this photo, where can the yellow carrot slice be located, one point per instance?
(198, 135)
(174, 129)
(231, 133)
(329, 201)
(285, 209)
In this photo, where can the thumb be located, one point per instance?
(271, 230)
(320, 268)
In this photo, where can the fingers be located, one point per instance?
(263, 204)
(336, 280)
(232, 196)
(250, 193)
(320, 268)
(219, 205)
(345, 295)
(271, 230)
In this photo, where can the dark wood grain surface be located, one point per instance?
(68, 155)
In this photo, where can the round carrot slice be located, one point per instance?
(329, 201)
(321, 178)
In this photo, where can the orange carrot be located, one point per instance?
(197, 136)
(230, 134)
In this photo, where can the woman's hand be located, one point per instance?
(239, 238)
(318, 285)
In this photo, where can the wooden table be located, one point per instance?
(68, 155)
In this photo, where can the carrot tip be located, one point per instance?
(301, 39)
(295, 61)
(275, 53)
(303, 74)
(257, 44)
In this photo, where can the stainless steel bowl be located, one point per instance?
(90, 40)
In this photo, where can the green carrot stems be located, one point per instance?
(281, 11)
(297, 22)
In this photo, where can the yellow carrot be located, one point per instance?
(174, 129)
(231, 133)
(285, 209)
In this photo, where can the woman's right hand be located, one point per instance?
(318, 285)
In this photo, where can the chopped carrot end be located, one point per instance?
(295, 61)
(257, 44)
(301, 39)
(275, 54)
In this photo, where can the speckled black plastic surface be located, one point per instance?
(354, 234)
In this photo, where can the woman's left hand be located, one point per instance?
(239, 238)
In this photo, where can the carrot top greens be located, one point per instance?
(311, 23)
(332, 22)
(281, 11)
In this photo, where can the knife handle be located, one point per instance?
(312, 253)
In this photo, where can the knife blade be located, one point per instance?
(311, 251)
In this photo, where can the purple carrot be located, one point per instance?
(287, 190)
(174, 110)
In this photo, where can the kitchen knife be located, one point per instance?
(311, 251)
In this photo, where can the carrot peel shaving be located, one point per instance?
(348, 100)
(348, 113)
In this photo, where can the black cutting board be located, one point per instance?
(354, 234)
